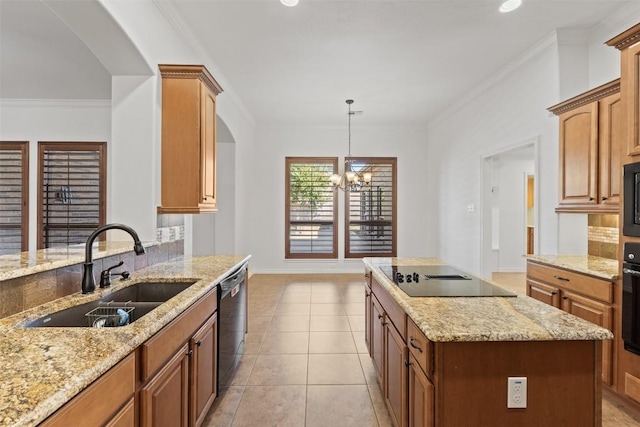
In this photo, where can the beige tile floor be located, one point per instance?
(305, 362)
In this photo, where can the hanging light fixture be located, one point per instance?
(350, 180)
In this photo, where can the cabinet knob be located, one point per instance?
(591, 199)
(554, 293)
(604, 198)
(189, 353)
(407, 363)
(198, 343)
(380, 316)
(565, 298)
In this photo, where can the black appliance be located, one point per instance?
(232, 322)
(631, 196)
(440, 281)
(631, 297)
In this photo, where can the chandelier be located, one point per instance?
(351, 179)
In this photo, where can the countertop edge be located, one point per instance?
(522, 307)
(601, 268)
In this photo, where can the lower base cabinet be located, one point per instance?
(453, 384)
(421, 395)
(169, 381)
(164, 400)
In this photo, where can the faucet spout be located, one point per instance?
(88, 280)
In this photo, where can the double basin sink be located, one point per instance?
(118, 308)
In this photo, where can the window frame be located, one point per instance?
(333, 161)
(393, 161)
(23, 146)
(101, 148)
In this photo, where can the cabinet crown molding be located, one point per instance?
(190, 72)
(586, 98)
(626, 38)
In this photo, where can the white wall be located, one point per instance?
(512, 203)
(511, 109)
(53, 120)
(267, 171)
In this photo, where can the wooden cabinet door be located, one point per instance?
(610, 142)
(367, 317)
(126, 417)
(598, 313)
(579, 155)
(421, 397)
(377, 338)
(630, 87)
(203, 372)
(542, 292)
(396, 361)
(164, 400)
(208, 146)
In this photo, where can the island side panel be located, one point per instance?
(563, 386)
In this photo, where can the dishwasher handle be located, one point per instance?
(233, 280)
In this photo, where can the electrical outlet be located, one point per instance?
(516, 392)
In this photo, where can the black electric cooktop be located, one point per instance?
(440, 281)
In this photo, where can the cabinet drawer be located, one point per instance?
(586, 285)
(159, 348)
(420, 347)
(393, 310)
(112, 390)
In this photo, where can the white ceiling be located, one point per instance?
(403, 62)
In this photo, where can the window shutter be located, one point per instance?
(371, 212)
(14, 197)
(72, 192)
(311, 208)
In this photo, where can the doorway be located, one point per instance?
(509, 214)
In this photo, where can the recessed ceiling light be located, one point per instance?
(289, 3)
(509, 5)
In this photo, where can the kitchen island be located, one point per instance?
(44, 368)
(447, 361)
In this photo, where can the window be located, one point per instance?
(311, 208)
(371, 212)
(14, 197)
(72, 191)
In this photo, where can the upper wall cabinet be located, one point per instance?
(629, 45)
(188, 139)
(590, 148)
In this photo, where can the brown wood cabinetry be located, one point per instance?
(203, 370)
(179, 367)
(177, 371)
(188, 139)
(105, 402)
(164, 400)
(584, 296)
(367, 310)
(388, 351)
(458, 383)
(590, 149)
(627, 43)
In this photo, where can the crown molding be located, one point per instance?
(498, 76)
(587, 97)
(168, 9)
(626, 39)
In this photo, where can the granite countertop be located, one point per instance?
(43, 368)
(451, 319)
(603, 268)
(26, 263)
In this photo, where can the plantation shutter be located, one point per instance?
(310, 208)
(14, 197)
(371, 212)
(72, 192)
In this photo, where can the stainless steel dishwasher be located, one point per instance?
(232, 323)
